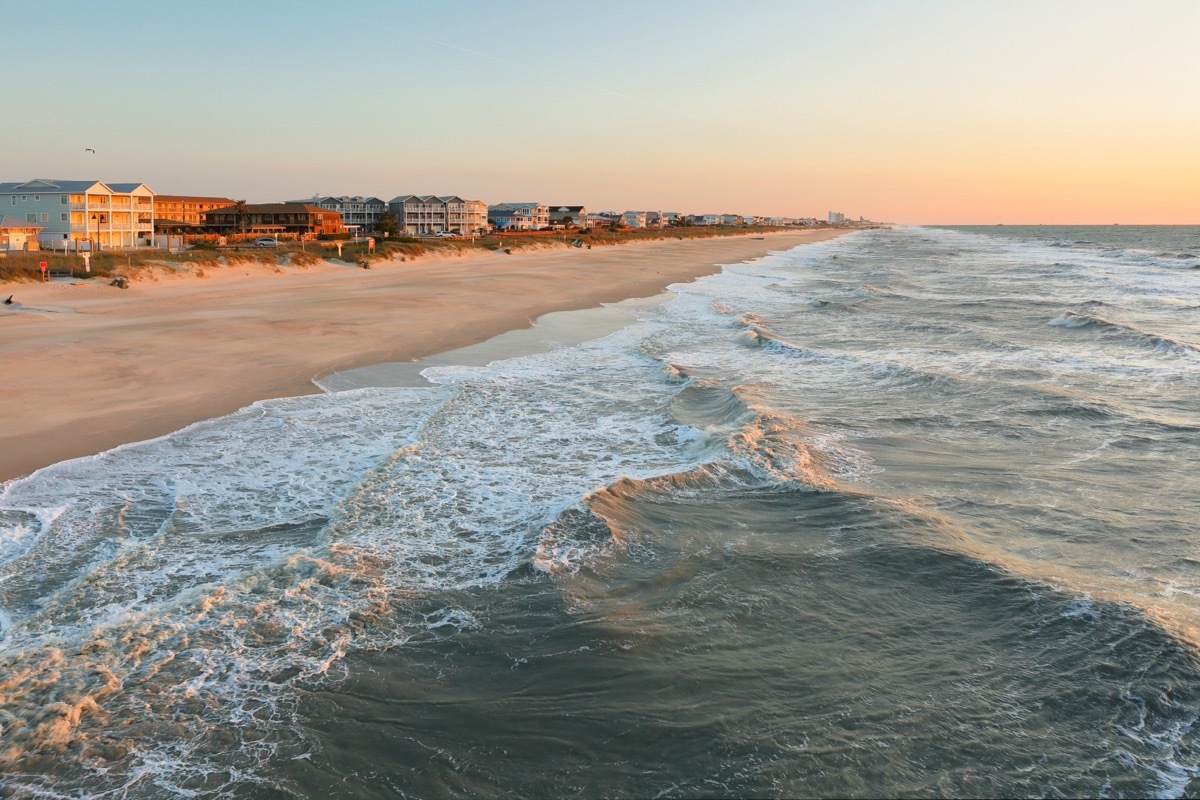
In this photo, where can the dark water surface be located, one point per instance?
(906, 513)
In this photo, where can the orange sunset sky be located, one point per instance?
(924, 112)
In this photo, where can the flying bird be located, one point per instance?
(89, 150)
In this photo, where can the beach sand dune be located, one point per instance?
(89, 366)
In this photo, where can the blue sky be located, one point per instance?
(920, 111)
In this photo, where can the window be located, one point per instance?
(64, 217)
(37, 198)
(45, 217)
(62, 199)
(31, 217)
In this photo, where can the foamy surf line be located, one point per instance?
(548, 332)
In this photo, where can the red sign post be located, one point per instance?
(43, 265)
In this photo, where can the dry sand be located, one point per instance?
(88, 366)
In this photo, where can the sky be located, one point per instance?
(929, 112)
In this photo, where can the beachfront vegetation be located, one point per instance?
(387, 224)
(206, 256)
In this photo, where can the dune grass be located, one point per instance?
(21, 267)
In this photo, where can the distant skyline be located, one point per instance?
(920, 112)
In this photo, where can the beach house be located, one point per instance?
(18, 234)
(425, 214)
(568, 215)
(358, 213)
(599, 219)
(634, 219)
(519, 216)
(71, 212)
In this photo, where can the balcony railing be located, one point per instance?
(103, 227)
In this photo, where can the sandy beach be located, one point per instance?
(88, 366)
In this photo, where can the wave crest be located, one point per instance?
(1124, 331)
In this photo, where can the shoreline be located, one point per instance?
(89, 366)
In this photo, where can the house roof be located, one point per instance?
(78, 187)
(41, 184)
(344, 199)
(129, 187)
(430, 198)
(317, 199)
(420, 198)
(15, 222)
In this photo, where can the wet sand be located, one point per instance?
(88, 366)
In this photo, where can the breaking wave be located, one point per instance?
(1124, 331)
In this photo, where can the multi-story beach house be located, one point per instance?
(634, 219)
(298, 218)
(75, 212)
(173, 212)
(424, 214)
(358, 213)
(18, 234)
(599, 219)
(733, 219)
(564, 215)
(519, 216)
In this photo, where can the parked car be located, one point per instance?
(447, 234)
(265, 241)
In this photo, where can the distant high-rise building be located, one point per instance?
(836, 218)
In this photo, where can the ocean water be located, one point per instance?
(912, 512)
